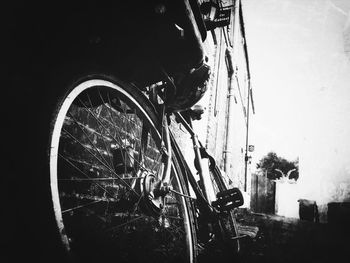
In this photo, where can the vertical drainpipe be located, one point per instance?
(229, 112)
(231, 54)
(249, 98)
(246, 140)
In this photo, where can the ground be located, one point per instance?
(282, 239)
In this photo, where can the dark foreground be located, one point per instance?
(279, 240)
(286, 240)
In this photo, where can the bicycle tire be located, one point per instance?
(83, 228)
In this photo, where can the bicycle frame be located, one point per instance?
(196, 147)
(211, 210)
(200, 189)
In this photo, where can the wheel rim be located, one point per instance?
(103, 142)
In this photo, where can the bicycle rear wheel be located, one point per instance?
(105, 149)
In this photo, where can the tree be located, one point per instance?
(276, 167)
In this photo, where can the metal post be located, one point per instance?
(247, 140)
(229, 113)
(231, 55)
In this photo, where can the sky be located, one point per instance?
(299, 52)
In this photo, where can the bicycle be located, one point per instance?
(133, 185)
(119, 185)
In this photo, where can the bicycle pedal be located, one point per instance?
(228, 199)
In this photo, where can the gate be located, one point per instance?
(262, 194)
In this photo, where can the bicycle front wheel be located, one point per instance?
(105, 142)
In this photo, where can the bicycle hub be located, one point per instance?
(154, 192)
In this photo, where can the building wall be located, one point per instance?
(213, 128)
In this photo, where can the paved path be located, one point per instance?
(284, 240)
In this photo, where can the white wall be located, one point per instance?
(299, 54)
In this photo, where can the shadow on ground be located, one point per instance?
(282, 239)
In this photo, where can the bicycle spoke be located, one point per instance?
(110, 158)
(82, 172)
(88, 150)
(121, 140)
(91, 143)
(103, 164)
(80, 206)
(111, 117)
(106, 147)
(145, 132)
(95, 179)
(124, 224)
